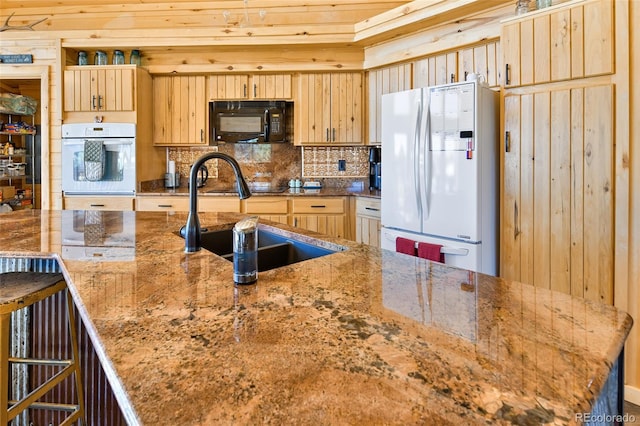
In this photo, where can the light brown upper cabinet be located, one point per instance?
(329, 110)
(99, 88)
(562, 44)
(436, 70)
(179, 110)
(243, 86)
(482, 59)
(391, 79)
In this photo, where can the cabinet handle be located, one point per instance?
(327, 134)
(201, 135)
(99, 101)
(318, 206)
(372, 209)
(295, 222)
(507, 77)
(165, 205)
(507, 141)
(93, 102)
(465, 75)
(452, 78)
(96, 205)
(244, 89)
(255, 90)
(334, 134)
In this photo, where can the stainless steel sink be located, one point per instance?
(274, 250)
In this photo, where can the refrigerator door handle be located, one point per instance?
(416, 160)
(454, 251)
(427, 161)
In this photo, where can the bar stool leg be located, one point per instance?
(76, 357)
(5, 320)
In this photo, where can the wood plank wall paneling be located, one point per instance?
(50, 337)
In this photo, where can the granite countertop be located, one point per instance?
(358, 336)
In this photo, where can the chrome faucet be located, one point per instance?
(191, 231)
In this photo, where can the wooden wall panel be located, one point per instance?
(576, 190)
(526, 183)
(510, 191)
(560, 186)
(541, 190)
(598, 193)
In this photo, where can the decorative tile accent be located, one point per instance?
(321, 162)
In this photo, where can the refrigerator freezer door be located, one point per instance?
(456, 253)
(452, 167)
(403, 113)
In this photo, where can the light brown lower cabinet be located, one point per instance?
(557, 218)
(367, 221)
(181, 204)
(275, 209)
(98, 203)
(326, 215)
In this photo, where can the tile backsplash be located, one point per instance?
(324, 162)
(277, 163)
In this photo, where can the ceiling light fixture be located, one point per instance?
(244, 19)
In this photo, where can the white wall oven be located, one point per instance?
(99, 158)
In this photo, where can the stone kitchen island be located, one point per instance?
(360, 336)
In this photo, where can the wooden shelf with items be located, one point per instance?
(17, 160)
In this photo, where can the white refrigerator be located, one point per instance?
(440, 172)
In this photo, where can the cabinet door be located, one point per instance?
(179, 110)
(275, 209)
(271, 86)
(331, 109)
(228, 86)
(382, 81)
(312, 112)
(557, 205)
(98, 203)
(325, 215)
(162, 203)
(332, 225)
(510, 41)
(99, 89)
(482, 60)
(346, 108)
(368, 221)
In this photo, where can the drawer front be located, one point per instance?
(219, 204)
(368, 207)
(269, 205)
(99, 203)
(155, 204)
(315, 205)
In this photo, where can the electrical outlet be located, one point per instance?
(342, 165)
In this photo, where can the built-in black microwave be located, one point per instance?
(250, 121)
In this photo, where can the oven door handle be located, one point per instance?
(113, 141)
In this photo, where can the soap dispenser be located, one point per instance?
(245, 251)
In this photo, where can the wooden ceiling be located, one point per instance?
(168, 23)
(83, 14)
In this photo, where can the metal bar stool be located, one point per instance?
(19, 290)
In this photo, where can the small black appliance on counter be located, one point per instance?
(375, 168)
